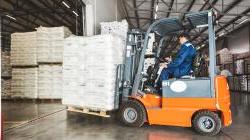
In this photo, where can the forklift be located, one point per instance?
(202, 103)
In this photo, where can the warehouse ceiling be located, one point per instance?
(230, 14)
(26, 15)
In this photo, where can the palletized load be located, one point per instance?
(24, 82)
(5, 87)
(89, 71)
(148, 62)
(239, 66)
(50, 81)
(50, 43)
(243, 82)
(224, 56)
(6, 67)
(23, 49)
(117, 28)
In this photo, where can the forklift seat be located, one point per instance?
(186, 77)
(190, 76)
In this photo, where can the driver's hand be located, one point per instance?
(164, 65)
(168, 59)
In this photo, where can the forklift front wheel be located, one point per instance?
(132, 113)
(207, 123)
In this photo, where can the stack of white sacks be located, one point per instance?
(50, 81)
(225, 56)
(6, 73)
(89, 71)
(243, 82)
(6, 67)
(23, 49)
(24, 82)
(150, 46)
(5, 87)
(33, 55)
(239, 66)
(148, 62)
(119, 29)
(23, 53)
(50, 43)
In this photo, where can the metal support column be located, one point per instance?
(1, 32)
(1, 60)
(83, 22)
(212, 51)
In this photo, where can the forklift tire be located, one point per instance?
(207, 123)
(132, 113)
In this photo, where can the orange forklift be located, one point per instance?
(202, 103)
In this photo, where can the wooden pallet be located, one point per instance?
(89, 111)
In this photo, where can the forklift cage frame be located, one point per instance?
(166, 26)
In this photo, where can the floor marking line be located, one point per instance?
(31, 121)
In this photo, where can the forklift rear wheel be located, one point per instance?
(207, 123)
(132, 113)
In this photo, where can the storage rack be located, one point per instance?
(239, 82)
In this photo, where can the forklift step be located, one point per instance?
(89, 111)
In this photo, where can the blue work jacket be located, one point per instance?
(182, 64)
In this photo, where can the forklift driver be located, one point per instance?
(182, 64)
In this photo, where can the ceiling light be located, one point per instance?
(155, 16)
(9, 16)
(201, 26)
(75, 13)
(64, 3)
(243, 21)
(156, 8)
(223, 33)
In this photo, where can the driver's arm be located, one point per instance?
(182, 55)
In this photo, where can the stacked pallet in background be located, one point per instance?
(89, 71)
(239, 66)
(224, 56)
(148, 62)
(33, 52)
(24, 82)
(23, 49)
(117, 28)
(150, 46)
(6, 74)
(50, 81)
(50, 44)
(50, 57)
(24, 65)
(5, 88)
(5, 65)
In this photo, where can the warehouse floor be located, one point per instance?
(50, 121)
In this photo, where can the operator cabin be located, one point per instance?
(181, 65)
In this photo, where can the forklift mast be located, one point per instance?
(132, 53)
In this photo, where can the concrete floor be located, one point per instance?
(74, 126)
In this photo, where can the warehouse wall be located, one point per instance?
(101, 11)
(106, 10)
(238, 42)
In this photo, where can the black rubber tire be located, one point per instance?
(139, 108)
(212, 115)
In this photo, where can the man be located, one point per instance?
(182, 64)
